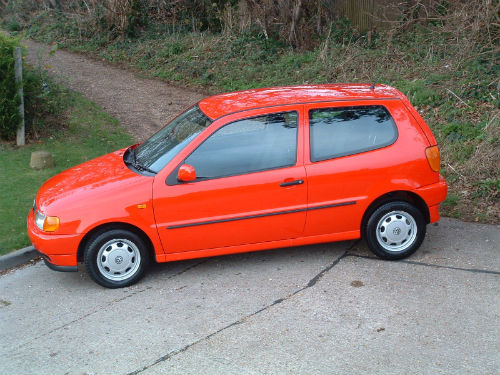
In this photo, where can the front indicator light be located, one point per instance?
(46, 223)
(433, 157)
(51, 224)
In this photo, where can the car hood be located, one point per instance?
(103, 178)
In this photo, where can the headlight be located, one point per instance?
(39, 220)
(46, 223)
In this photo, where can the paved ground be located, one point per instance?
(142, 105)
(329, 309)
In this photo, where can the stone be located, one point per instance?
(41, 160)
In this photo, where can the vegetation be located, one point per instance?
(83, 131)
(9, 100)
(40, 100)
(443, 55)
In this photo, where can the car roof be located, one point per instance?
(224, 104)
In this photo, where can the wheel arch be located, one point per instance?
(114, 225)
(399, 195)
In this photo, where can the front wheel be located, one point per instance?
(116, 258)
(395, 230)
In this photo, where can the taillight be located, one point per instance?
(433, 157)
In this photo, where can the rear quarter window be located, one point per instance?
(342, 131)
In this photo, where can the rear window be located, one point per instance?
(342, 131)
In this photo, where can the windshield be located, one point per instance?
(158, 150)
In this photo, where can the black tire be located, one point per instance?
(116, 258)
(395, 230)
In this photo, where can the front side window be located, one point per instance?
(246, 146)
(342, 131)
(158, 150)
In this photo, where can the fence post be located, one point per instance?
(18, 65)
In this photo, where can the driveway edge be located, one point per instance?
(17, 258)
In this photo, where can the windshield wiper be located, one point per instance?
(143, 168)
(138, 166)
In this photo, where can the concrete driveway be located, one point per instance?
(325, 309)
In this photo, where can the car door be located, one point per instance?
(350, 160)
(250, 185)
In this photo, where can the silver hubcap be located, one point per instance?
(396, 231)
(118, 259)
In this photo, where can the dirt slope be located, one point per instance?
(142, 105)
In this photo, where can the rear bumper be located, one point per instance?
(433, 195)
(58, 250)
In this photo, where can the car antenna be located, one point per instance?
(372, 87)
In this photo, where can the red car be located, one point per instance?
(247, 171)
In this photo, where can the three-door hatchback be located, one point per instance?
(246, 171)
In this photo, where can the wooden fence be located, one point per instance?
(369, 14)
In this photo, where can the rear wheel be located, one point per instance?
(116, 258)
(395, 230)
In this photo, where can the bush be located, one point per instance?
(42, 104)
(9, 100)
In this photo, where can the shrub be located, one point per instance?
(9, 100)
(42, 104)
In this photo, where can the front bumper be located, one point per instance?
(54, 267)
(58, 250)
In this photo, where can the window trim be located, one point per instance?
(172, 177)
(355, 152)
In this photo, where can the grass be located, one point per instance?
(88, 132)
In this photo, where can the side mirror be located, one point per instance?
(186, 173)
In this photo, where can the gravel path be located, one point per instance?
(142, 105)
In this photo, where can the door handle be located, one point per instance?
(291, 183)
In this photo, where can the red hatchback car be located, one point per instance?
(246, 171)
